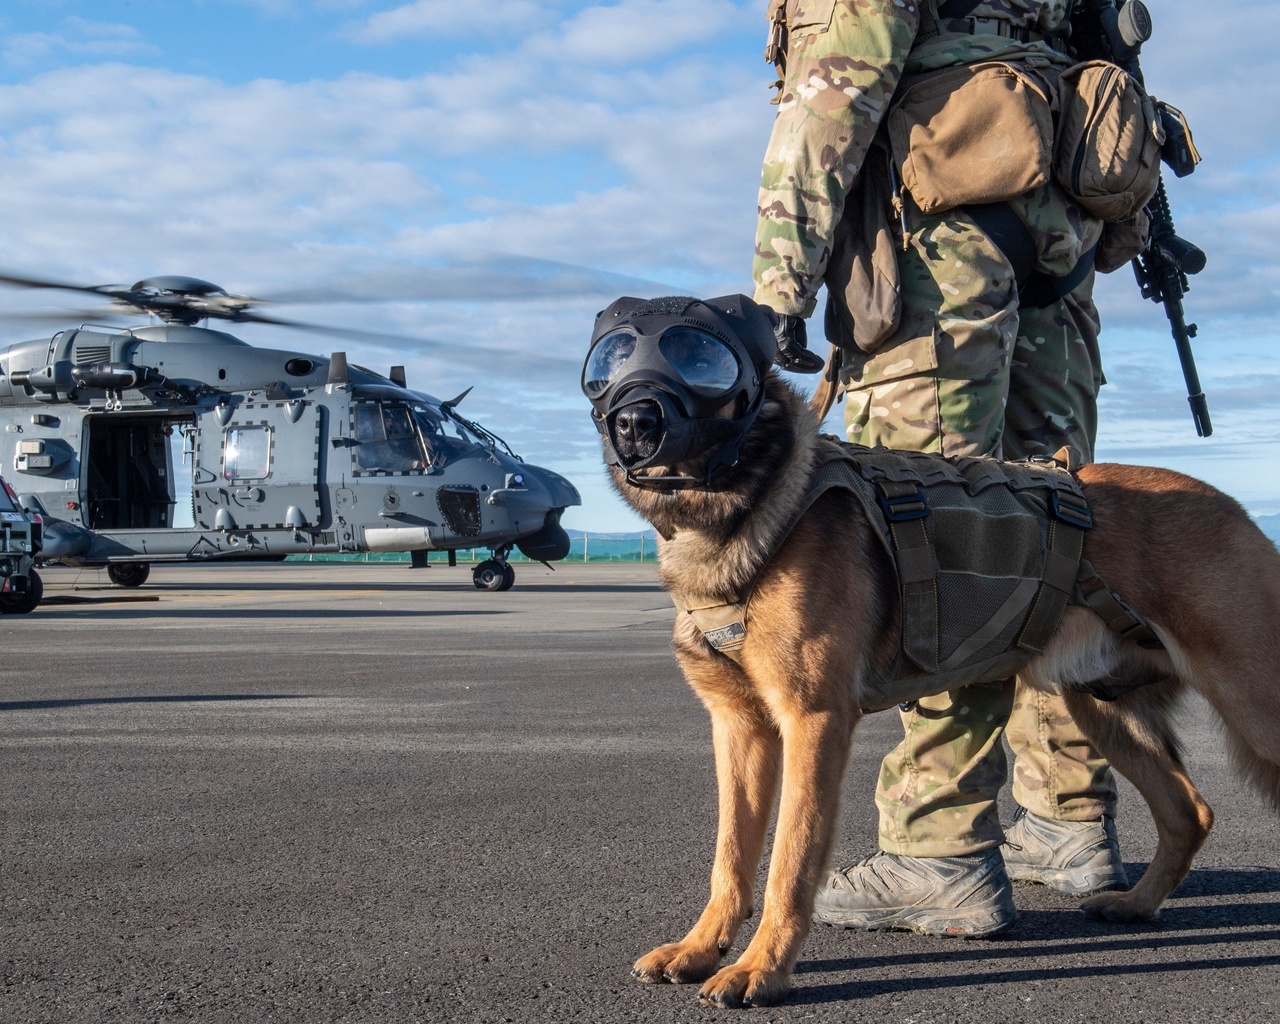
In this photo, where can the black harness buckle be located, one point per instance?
(904, 507)
(1070, 510)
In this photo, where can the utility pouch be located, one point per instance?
(1109, 139)
(1122, 241)
(862, 278)
(979, 133)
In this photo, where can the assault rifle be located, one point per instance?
(1114, 30)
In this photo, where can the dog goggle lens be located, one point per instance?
(606, 360)
(700, 360)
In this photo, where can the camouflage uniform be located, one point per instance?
(967, 372)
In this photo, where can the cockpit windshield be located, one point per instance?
(445, 438)
(408, 435)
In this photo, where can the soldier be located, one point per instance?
(974, 363)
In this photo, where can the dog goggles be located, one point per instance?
(693, 357)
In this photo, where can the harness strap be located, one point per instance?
(1036, 289)
(1066, 542)
(1093, 593)
(990, 27)
(905, 509)
(957, 8)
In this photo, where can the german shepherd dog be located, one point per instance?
(1182, 554)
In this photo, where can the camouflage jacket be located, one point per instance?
(844, 60)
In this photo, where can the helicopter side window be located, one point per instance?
(248, 453)
(387, 439)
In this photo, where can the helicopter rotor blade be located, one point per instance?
(60, 317)
(461, 353)
(104, 290)
(183, 300)
(501, 277)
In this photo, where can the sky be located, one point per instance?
(494, 174)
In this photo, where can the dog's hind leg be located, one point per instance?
(1134, 734)
(747, 752)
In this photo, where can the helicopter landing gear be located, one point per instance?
(495, 573)
(128, 574)
(489, 575)
(20, 604)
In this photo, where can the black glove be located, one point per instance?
(793, 345)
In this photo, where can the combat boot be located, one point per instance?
(969, 896)
(1076, 858)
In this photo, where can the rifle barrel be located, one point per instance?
(1182, 341)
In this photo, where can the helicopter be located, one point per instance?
(174, 442)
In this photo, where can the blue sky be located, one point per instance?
(505, 175)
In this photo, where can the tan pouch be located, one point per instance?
(1121, 242)
(980, 133)
(813, 15)
(1109, 138)
(864, 297)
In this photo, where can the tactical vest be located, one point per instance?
(987, 556)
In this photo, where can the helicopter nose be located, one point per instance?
(637, 430)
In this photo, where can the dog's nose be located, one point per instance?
(637, 431)
(638, 422)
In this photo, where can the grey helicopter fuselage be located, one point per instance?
(180, 443)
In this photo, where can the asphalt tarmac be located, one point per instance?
(312, 793)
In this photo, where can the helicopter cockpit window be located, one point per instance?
(248, 453)
(387, 441)
(444, 436)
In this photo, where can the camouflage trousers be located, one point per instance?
(970, 373)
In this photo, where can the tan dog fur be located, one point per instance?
(1187, 557)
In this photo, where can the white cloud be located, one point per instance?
(77, 37)
(446, 18)
(635, 31)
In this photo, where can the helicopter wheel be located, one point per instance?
(20, 604)
(128, 574)
(491, 575)
(508, 576)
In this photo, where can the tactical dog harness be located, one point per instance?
(987, 556)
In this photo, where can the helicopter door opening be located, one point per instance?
(138, 472)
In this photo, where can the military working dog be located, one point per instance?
(825, 620)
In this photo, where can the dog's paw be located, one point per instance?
(678, 963)
(1118, 908)
(740, 986)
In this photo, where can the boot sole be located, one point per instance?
(1066, 882)
(976, 925)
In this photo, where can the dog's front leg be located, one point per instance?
(747, 749)
(815, 748)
